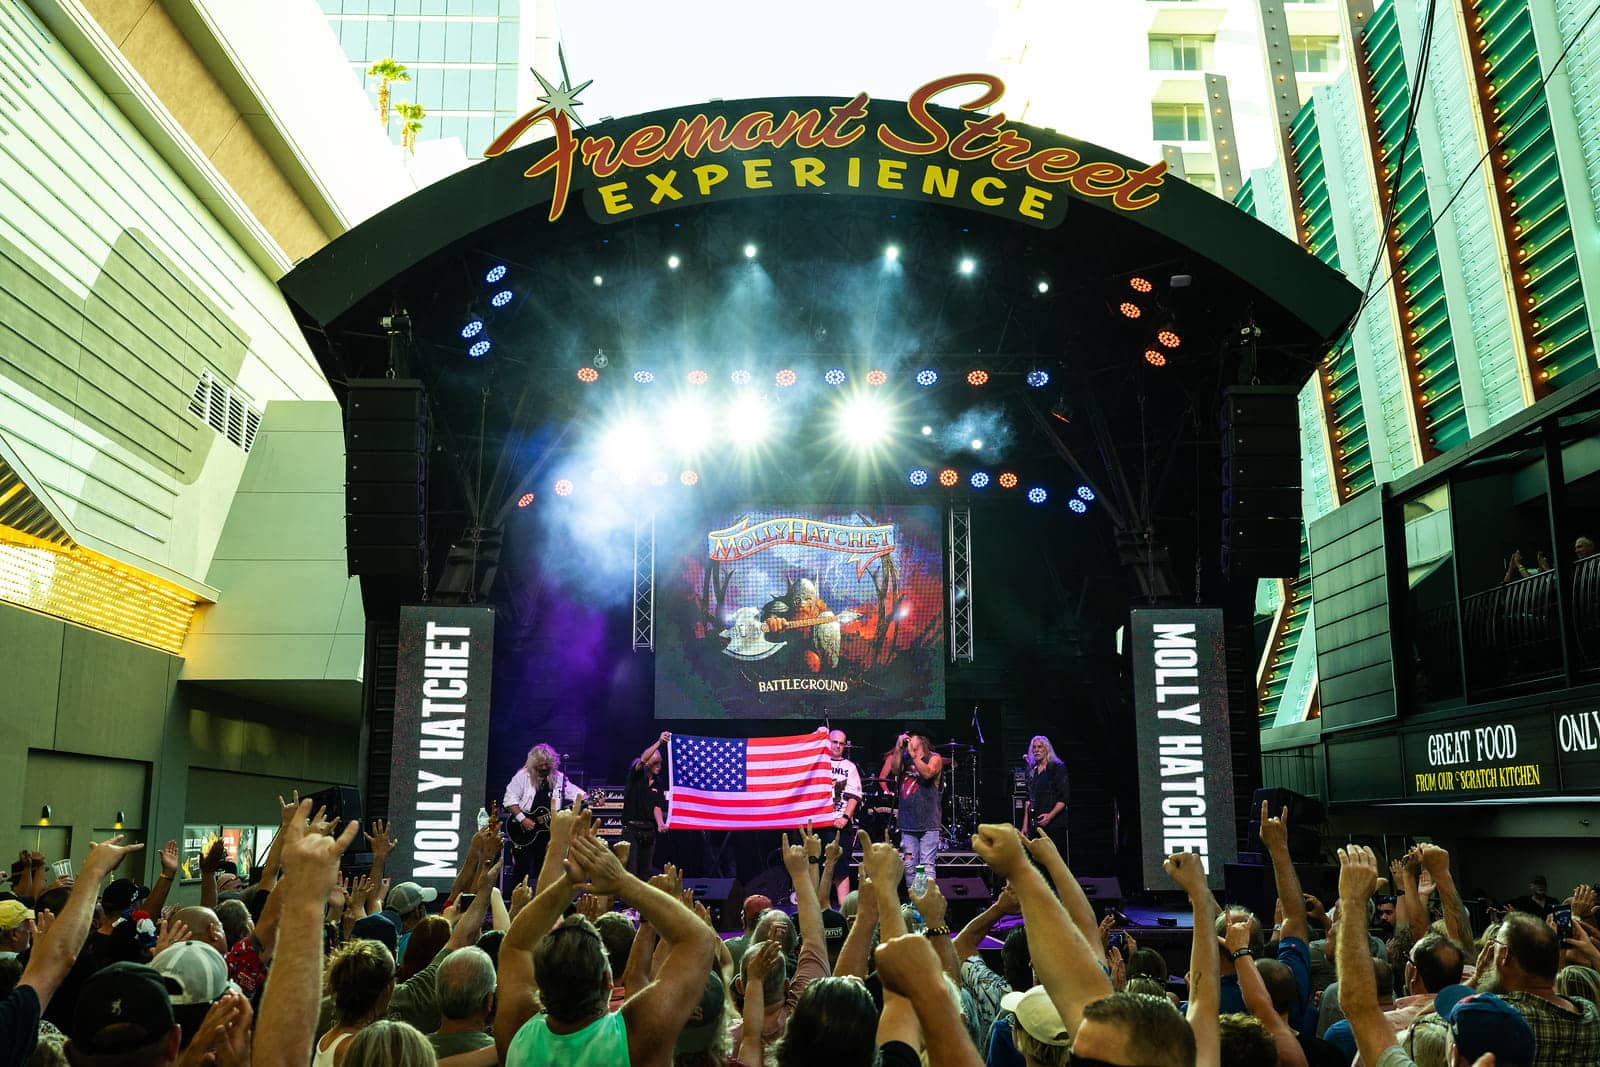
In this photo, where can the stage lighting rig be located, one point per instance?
(864, 421)
(600, 359)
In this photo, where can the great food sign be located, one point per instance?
(982, 163)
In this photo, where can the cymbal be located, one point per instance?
(957, 746)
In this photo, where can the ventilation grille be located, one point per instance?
(225, 411)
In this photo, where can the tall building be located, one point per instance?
(1167, 79)
(1449, 443)
(183, 639)
(468, 60)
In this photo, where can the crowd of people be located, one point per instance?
(587, 964)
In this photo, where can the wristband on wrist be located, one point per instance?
(1241, 953)
(937, 931)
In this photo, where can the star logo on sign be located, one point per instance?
(562, 99)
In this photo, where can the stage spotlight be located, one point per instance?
(918, 477)
(1038, 379)
(672, 262)
(496, 272)
(749, 251)
(967, 265)
(977, 444)
(1078, 506)
(1129, 309)
(785, 377)
(698, 377)
(626, 446)
(689, 477)
(979, 479)
(479, 349)
(524, 500)
(472, 329)
(644, 377)
(863, 421)
(891, 253)
(948, 477)
(587, 375)
(927, 376)
(687, 427)
(600, 359)
(876, 377)
(501, 299)
(1037, 495)
(740, 377)
(746, 420)
(834, 377)
(978, 377)
(1155, 357)
(599, 280)
(658, 478)
(927, 431)
(1167, 337)
(1140, 285)
(563, 487)
(1008, 480)
(1043, 286)
(1085, 493)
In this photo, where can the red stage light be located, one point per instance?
(948, 477)
(977, 377)
(1140, 285)
(563, 487)
(588, 374)
(1008, 480)
(698, 377)
(524, 500)
(876, 377)
(785, 377)
(1129, 309)
(689, 477)
(1155, 357)
(1169, 339)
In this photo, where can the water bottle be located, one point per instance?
(919, 881)
(483, 818)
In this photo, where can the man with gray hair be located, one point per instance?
(465, 984)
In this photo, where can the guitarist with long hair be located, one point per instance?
(535, 792)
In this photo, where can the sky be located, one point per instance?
(688, 51)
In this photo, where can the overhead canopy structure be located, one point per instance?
(811, 234)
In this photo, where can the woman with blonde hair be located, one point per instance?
(534, 793)
(360, 981)
(1046, 808)
(388, 1043)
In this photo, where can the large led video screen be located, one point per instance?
(783, 613)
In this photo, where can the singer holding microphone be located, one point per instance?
(913, 766)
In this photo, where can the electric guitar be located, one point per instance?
(523, 836)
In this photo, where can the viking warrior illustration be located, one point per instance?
(802, 607)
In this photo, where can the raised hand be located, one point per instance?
(1106, 923)
(703, 913)
(339, 894)
(488, 877)
(1007, 901)
(169, 933)
(1435, 860)
(589, 860)
(796, 857)
(811, 841)
(882, 862)
(834, 851)
(589, 907)
(1042, 848)
(1583, 901)
(906, 962)
(105, 856)
(286, 809)
(321, 824)
(311, 859)
(931, 904)
(379, 841)
(521, 896)
(169, 859)
(224, 1035)
(1000, 846)
(1358, 873)
(1185, 870)
(1238, 936)
(1274, 831)
(211, 859)
(760, 962)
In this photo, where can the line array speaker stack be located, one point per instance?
(386, 469)
(1260, 482)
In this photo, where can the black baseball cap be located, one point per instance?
(121, 1008)
(122, 894)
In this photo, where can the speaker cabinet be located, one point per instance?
(1261, 519)
(386, 453)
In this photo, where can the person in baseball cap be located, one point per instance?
(125, 1010)
(121, 895)
(1038, 1032)
(196, 976)
(705, 1021)
(408, 905)
(16, 928)
(1481, 1023)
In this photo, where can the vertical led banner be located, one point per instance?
(441, 739)
(1180, 701)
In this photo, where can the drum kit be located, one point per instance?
(880, 808)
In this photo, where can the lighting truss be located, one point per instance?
(644, 582)
(961, 584)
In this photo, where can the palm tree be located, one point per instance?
(386, 70)
(413, 114)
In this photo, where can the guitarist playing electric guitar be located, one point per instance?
(536, 791)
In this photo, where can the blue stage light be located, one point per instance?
(496, 272)
(979, 479)
(1078, 506)
(1085, 493)
(644, 377)
(740, 377)
(918, 476)
(1038, 378)
(479, 349)
(927, 376)
(472, 329)
(1037, 495)
(834, 377)
(501, 299)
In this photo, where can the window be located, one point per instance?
(1203, 180)
(1177, 122)
(1314, 55)
(1171, 52)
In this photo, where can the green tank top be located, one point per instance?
(603, 1043)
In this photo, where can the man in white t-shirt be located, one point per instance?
(846, 798)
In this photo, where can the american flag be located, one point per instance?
(738, 783)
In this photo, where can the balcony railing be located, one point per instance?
(1512, 633)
